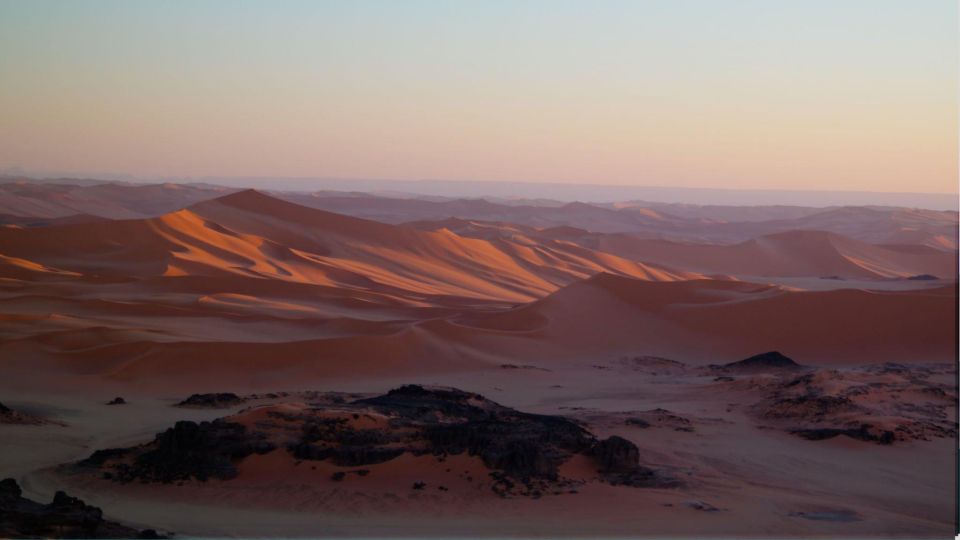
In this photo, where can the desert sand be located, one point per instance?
(299, 309)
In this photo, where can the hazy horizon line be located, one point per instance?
(556, 191)
(14, 172)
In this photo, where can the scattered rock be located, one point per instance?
(700, 505)
(10, 416)
(881, 403)
(64, 517)
(654, 365)
(842, 516)
(523, 366)
(659, 418)
(809, 407)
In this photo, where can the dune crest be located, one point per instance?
(249, 233)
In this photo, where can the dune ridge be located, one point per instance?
(806, 253)
(249, 233)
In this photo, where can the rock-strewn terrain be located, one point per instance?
(883, 404)
(523, 452)
(213, 401)
(64, 517)
(12, 416)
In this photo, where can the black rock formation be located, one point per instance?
(522, 445)
(863, 432)
(522, 450)
(213, 401)
(117, 401)
(186, 451)
(772, 360)
(616, 455)
(809, 407)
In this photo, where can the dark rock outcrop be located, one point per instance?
(346, 456)
(616, 455)
(442, 422)
(186, 451)
(11, 416)
(809, 407)
(64, 517)
(863, 432)
(866, 403)
(523, 451)
(767, 361)
(212, 401)
(117, 401)
(619, 464)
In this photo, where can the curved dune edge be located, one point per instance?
(251, 234)
(599, 318)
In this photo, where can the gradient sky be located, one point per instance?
(852, 95)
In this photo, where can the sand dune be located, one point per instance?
(798, 253)
(249, 233)
(686, 223)
(593, 321)
(793, 253)
(250, 293)
(42, 203)
(250, 284)
(711, 321)
(102, 199)
(878, 225)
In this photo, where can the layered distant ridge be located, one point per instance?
(251, 234)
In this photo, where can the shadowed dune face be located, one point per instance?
(790, 254)
(684, 223)
(798, 253)
(255, 235)
(62, 200)
(40, 204)
(657, 378)
(704, 319)
(277, 290)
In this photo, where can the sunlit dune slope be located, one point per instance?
(248, 233)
